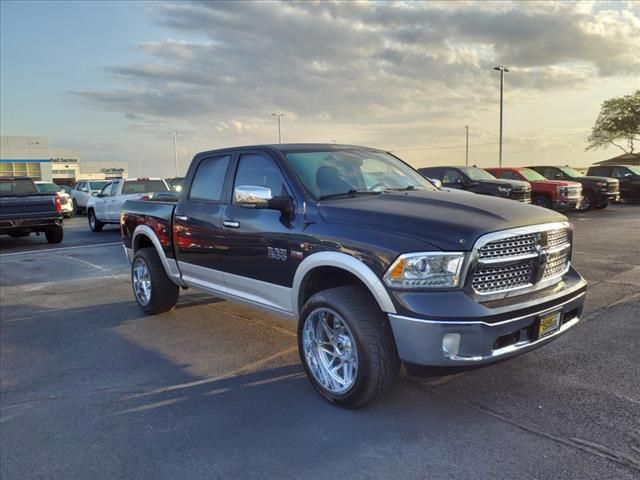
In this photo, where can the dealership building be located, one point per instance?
(32, 157)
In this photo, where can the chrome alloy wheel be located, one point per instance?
(92, 221)
(141, 281)
(330, 350)
(585, 203)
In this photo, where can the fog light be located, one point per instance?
(451, 344)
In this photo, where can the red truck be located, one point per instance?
(559, 195)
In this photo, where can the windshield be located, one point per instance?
(354, 170)
(570, 172)
(47, 187)
(635, 169)
(143, 186)
(475, 173)
(531, 175)
(97, 185)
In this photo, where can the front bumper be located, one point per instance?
(566, 204)
(454, 341)
(607, 197)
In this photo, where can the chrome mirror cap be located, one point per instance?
(252, 196)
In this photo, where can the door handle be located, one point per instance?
(231, 224)
(182, 218)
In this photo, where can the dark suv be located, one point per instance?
(476, 180)
(597, 192)
(373, 262)
(627, 175)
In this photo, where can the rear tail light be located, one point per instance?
(58, 203)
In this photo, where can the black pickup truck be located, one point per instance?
(374, 263)
(476, 180)
(24, 210)
(597, 192)
(627, 175)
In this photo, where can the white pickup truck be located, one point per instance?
(104, 207)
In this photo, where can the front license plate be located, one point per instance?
(549, 323)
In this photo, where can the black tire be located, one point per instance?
(164, 293)
(94, 224)
(541, 201)
(76, 210)
(587, 201)
(55, 234)
(378, 362)
(602, 206)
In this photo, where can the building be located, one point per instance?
(32, 157)
(624, 159)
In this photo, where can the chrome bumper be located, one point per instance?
(449, 343)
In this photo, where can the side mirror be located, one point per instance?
(558, 176)
(436, 182)
(95, 194)
(466, 183)
(251, 196)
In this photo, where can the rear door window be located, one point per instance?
(510, 175)
(143, 186)
(208, 181)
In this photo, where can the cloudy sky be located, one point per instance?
(112, 79)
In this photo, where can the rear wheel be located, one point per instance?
(153, 289)
(94, 224)
(346, 346)
(541, 201)
(587, 201)
(55, 234)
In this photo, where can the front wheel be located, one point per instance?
(153, 289)
(541, 201)
(55, 234)
(94, 224)
(346, 346)
(587, 202)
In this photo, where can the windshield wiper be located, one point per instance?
(408, 188)
(350, 193)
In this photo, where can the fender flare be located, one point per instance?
(345, 262)
(170, 265)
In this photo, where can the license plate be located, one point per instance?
(548, 324)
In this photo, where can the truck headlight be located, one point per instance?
(425, 270)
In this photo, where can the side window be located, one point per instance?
(599, 171)
(81, 186)
(208, 181)
(550, 173)
(260, 171)
(510, 175)
(619, 172)
(106, 191)
(451, 177)
(114, 189)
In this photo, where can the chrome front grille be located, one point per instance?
(613, 187)
(521, 196)
(509, 247)
(521, 258)
(489, 279)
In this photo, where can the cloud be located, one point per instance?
(356, 64)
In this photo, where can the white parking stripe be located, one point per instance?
(47, 250)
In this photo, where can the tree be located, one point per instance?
(618, 122)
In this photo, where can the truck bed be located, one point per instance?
(152, 213)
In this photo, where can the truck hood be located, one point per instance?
(448, 220)
(516, 184)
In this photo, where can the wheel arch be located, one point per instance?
(325, 262)
(144, 237)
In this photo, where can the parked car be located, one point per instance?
(597, 192)
(104, 207)
(65, 198)
(559, 195)
(25, 210)
(627, 175)
(476, 180)
(82, 192)
(373, 273)
(66, 189)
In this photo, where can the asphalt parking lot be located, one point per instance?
(90, 388)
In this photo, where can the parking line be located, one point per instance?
(47, 250)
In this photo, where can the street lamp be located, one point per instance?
(466, 154)
(175, 149)
(279, 115)
(502, 69)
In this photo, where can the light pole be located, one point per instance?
(502, 69)
(279, 115)
(466, 154)
(175, 149)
